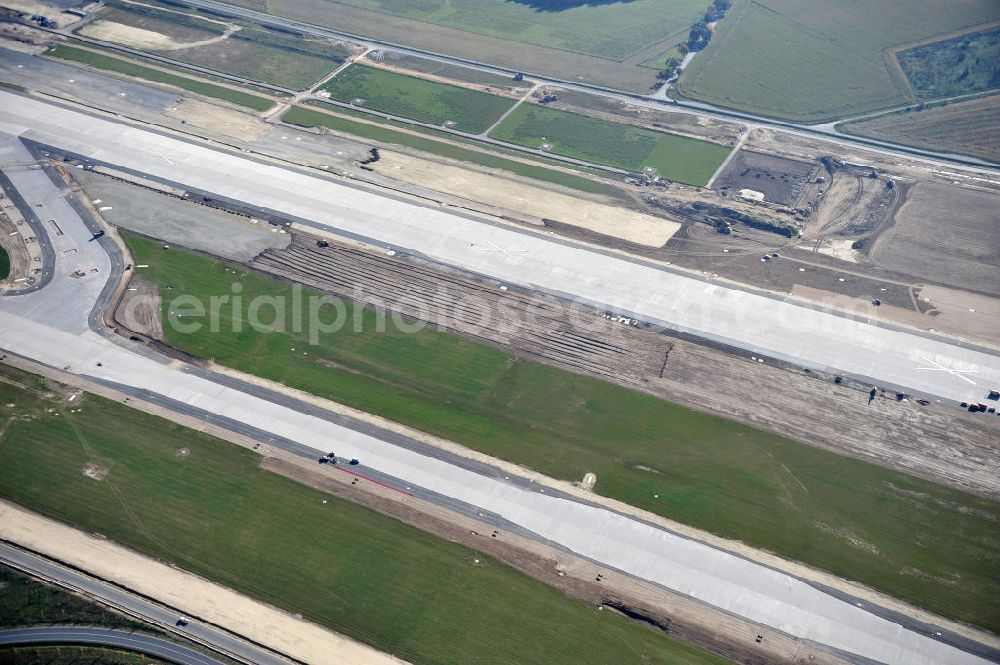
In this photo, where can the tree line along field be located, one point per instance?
(812, 61)
(383, 132)
(422, 100)
(131, 68)
(958, 66)
(927, 544)
(678, 158)
(214, 512)
(970, 127)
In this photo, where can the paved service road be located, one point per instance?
(138, 642)
(794, 331)
(147, 610)
(54, 326)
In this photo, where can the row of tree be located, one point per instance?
(700, 32)
(698, 38)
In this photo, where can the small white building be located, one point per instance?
(751, 195)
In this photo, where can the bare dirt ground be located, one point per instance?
(22, 38)
(540, 202)
(139, 309)
(32, 7)
(12, 242)
(192, 595)
(968, 127)
(781, 180)
(937, 442)
(129, 35)
(141, 206)
(230, 123)
(945, 234)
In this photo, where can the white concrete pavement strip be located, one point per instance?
(784, 329)
(51, 326)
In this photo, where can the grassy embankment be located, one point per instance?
(130, 68)
(679, 158)
(422, 100)
(927, 544)
(384, 133)
(216, 513)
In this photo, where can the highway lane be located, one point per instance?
(53, 326)
(145, 609)
(897, 358)
(105, 637)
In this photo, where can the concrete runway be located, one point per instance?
(56, 326)
(794, 331)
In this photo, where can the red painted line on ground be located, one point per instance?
(372, 480)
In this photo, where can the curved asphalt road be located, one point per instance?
(105, 637)
(216, 639)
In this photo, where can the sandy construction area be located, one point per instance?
(261, 623)
(128, 35)
(532, 200)
(233, 124)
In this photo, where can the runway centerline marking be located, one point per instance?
(165, 158)
(508, 253)
(941, 368)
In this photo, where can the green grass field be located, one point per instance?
(660, 61)
(130, 68)
(958, 66)
(216, 513)
(606, 30)
(930, 545)
(678, 158)
(418, 99)
(381, 133)
(259, 61)
(811, 61)
(4, 264)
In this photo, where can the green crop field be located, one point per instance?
(927, 544)
(308, 118)
(472, 111)
(606, 30)
(959, 66)
(216, 513)
(678, 158)
(811, 61)
(130, 68)
(259, 61)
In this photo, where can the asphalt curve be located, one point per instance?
(105, 637)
